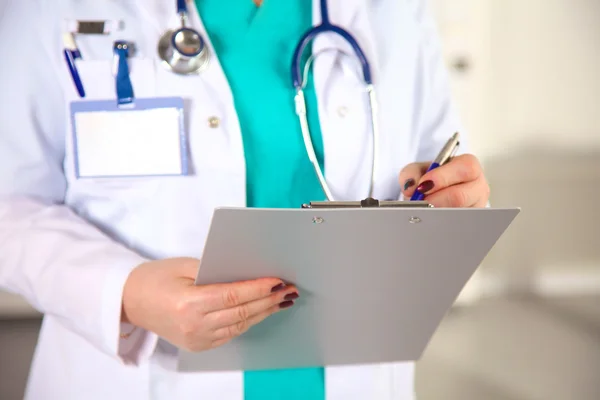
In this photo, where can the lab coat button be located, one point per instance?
(214, 122)
(342, 111)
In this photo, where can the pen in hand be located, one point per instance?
(447, 152)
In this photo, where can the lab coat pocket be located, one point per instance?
(98, 78)
(99, 84)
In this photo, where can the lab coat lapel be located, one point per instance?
(157, 16)
(347, 144)
(341, 13)
(352, 15)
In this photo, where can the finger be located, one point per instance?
(468, 194)
(461, 169)
(485, 194)
(410, 175)
(219, 342)
(231, 331)
(188, 267)
(228, 295)
(243, 312)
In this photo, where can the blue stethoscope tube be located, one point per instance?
(324, 27)
(182, 7)
(300, 102)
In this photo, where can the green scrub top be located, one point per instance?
(255, 48)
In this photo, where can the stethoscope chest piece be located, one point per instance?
(183, 51)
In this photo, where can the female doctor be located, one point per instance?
(108, 248)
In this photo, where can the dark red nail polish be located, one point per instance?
(286, 304)
(409, 183)
(291, 296)
(277, 288)
(425, 187)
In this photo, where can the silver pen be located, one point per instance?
(448, 151)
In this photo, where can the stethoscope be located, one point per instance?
(185, 52)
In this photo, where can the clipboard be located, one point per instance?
(375, 278)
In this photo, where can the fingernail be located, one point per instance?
(291, 296)
(286, 304)
(277, 288)
(409, 183)
(425, 186)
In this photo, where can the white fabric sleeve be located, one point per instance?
(437, 117)
(60, 263)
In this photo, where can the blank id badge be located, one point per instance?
(144, 138)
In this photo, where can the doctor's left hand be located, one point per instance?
(161, 296)
(458, 183)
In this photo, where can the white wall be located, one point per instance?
(466, 32)
(535, 70)
(546, 72)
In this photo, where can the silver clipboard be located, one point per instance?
(375, 279)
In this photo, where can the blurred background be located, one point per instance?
(526, 76)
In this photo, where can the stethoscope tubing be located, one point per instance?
(327, 27)
(297, 75)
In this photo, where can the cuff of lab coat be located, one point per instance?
(140, 345)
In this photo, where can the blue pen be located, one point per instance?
(447, 152)
(72, 53)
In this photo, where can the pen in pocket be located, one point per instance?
(72, 53)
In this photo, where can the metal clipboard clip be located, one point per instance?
(368, 203)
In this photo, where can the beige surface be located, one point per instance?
(14, 306)
(516, 349)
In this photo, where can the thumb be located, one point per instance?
(409, 177)
(183, 267)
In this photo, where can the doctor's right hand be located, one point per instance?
(161, 297)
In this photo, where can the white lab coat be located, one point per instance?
(67, 245)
